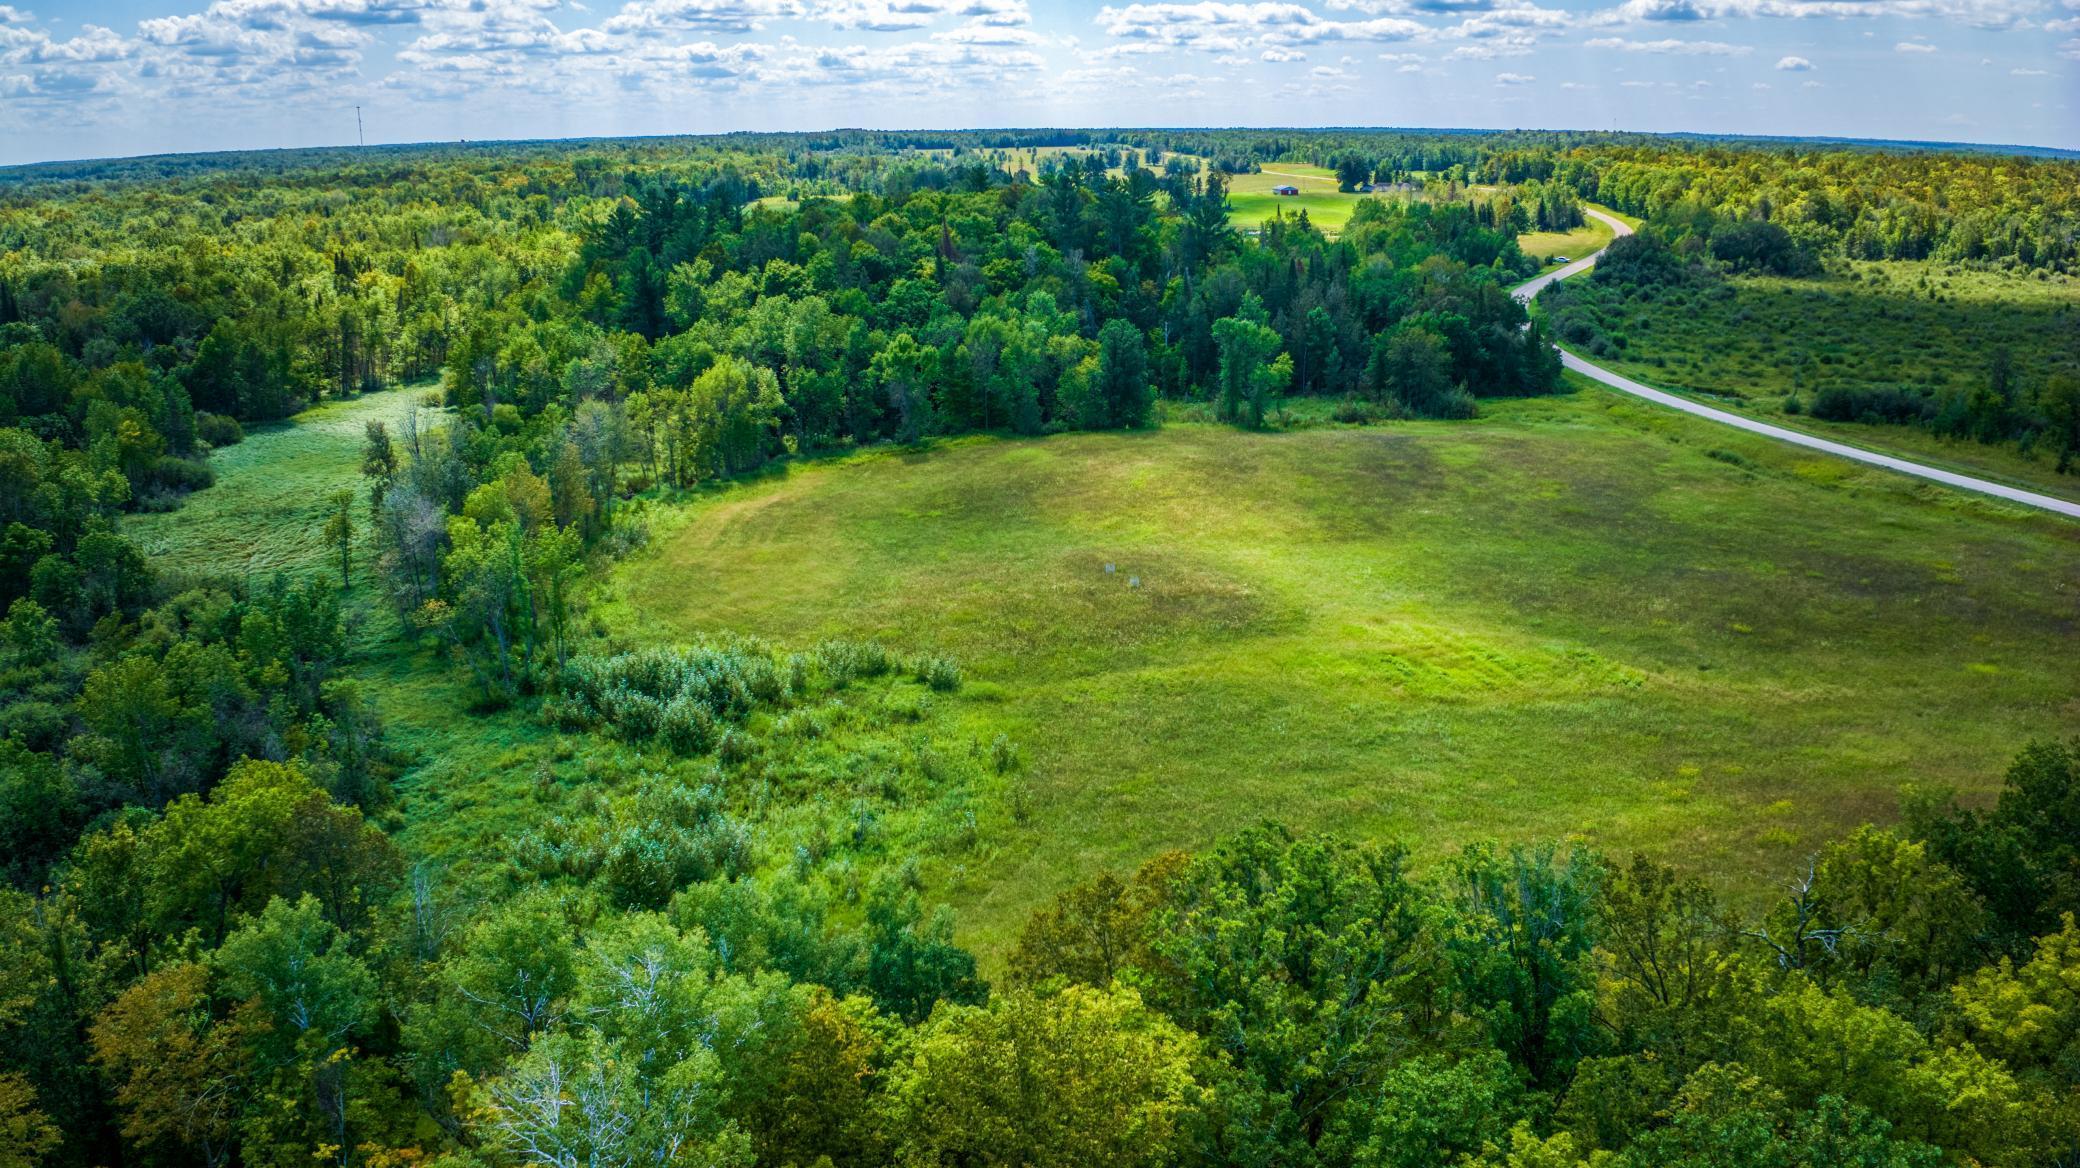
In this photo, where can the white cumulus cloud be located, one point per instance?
(1670, 45)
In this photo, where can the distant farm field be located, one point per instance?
(1250, 201)
(1578, 617)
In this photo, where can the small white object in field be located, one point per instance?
(1133, 581)
(1108, 569)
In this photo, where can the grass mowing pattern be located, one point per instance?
(1580, 616)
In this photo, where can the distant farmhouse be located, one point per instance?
(1285, 190)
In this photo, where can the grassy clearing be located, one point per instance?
(267, 510)
(1580, 616)
(1580, 243)
(1250, 201)
(790, 202)
(1751, 342)
(1029, 158)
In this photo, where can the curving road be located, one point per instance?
(1526, 291)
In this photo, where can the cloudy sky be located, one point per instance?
(90, 78)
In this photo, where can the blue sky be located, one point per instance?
(90, 78)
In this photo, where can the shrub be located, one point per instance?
(647, 862)
(690, 697)
(635, 714)
(627, 535)
(1455, 406)
(937, 672)
(681, 694)
(844, 662)
(1886, 404)
(1003, 755)
(688, 726)
(218, 429)
(735, 748)
(1358, 412)
(181, 474)
(643, 847)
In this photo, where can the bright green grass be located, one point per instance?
(1753, 341)
(1580, 243)
(1250, 201)
(1563, 620)
(790, 203)
(268, 508)
(474, 782)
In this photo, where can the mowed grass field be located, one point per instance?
(267, 510)
(1250, 201)
(1577, 617)
(1580, 243)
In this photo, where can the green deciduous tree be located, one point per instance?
(1085, 1076)
(1524, 922)
(265, 832)
(1250, 382)
(580, 1101)
(310, 997)
(1305, 962)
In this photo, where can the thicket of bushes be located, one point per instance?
(688, 697)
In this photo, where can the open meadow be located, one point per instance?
(267, 511)
(1558, 248)
(1579, 617)
(1250, 201)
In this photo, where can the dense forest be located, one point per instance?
(212, 952)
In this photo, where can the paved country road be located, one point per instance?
(1526, 291)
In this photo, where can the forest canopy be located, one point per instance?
(214, 951)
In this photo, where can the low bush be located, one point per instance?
(644, 846)
(1881, 404)
(181, 474)
(679, 695)
(844, 662)
(689, 698)
(938, 672)
(218, 429)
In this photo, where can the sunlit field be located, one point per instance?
(1579, 617)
